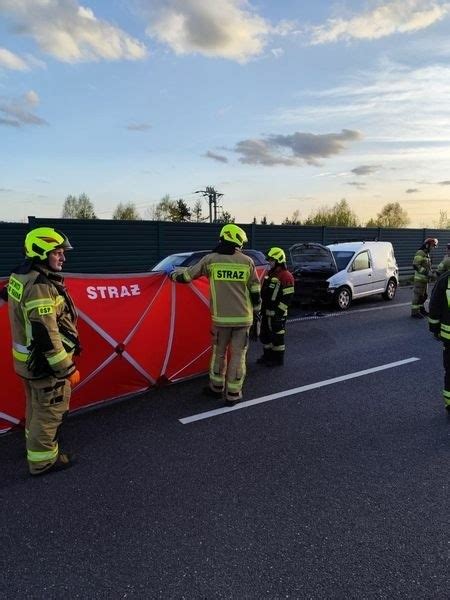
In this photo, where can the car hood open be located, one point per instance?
(314, 258)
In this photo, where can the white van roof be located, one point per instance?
(355, 246)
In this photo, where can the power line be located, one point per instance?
(212, 196)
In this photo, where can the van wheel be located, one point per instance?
(343, 298)
(391, 290)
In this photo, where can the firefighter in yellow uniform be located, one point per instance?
(422, 275)
(235, 293)
(444, 265)
(44, 335)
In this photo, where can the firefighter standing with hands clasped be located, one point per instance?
(422, 275)
(235, 293)
(43, 329)
(277, 293)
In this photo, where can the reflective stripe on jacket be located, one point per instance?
(277, 292)
(422, 267)
(439, 309)
(234, 287)
(43, 324)
(444, 265)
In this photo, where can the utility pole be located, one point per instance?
(212, 195)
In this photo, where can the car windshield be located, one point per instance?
(342, 258)
(187, 259)
(310, 256)
(174, 260)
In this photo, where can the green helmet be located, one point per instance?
(232, 233)
(42, 240)
(276, 254)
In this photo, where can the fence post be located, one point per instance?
(159, 236)
(253, 235)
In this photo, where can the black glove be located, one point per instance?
(255, 328)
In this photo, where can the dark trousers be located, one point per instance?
(446, 356)
(272, 337)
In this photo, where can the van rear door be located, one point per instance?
(383, 256)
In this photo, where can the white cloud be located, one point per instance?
(277, 52)
(397, 16)
(394, 104)
(139, 127)
(70, 32)
(31, 98)
(357, 184)
(223, 28)
(216, 157)
(9, 60)
(301, 148)
(365, 170)
(17, 112)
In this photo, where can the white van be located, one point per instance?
(342, 272)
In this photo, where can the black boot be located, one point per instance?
(207, 391)
(276, 360)
(64, 461)
(232, 398)
(265, 357)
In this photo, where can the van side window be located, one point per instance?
(362, 261)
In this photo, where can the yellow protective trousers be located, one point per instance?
(47, 403)
(228, 367)
(419, 296)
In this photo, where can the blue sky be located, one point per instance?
(281, 106)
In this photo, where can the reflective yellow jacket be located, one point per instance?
(422, 267)
(235, 289)
(444, 265)
(43, 323)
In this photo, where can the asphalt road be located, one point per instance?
(336, 490)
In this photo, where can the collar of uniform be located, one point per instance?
(276, 269)
(56, 277)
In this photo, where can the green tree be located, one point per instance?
(162, 210)
(225, 217)
(294, 220)
(126, 212)
(197, 212)
(391, 215)
(339, 215)
(443, 222)
(78, 208)
(180, 212)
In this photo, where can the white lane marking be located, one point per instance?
(346, 312)
(297, 390)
